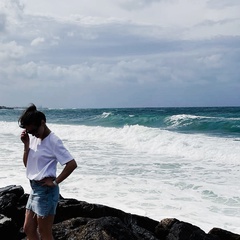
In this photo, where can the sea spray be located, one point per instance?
(176, 162)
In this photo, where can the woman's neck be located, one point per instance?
(46, 132)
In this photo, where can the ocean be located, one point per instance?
(161, 163)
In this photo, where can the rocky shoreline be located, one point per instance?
(81, 220)
(3, 107)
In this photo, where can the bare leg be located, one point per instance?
(45, 227)
(30, 225)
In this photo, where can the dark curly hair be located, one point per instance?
(31, 116)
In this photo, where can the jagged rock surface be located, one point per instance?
(81, 220)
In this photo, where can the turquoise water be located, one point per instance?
(157, 162)
(223, 121)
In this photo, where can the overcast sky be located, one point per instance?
(120, 53)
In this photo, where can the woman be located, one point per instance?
(41, 154)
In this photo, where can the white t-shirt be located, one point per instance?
(44, 155)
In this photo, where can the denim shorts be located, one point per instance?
(43, 200)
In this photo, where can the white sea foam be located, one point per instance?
(105, 114)
(143, 170)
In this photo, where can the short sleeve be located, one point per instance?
(62, 154)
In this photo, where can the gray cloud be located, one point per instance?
(137, 4)
(60, 62)
(222, 4)
(2, 22)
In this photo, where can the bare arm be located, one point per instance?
(25, 156)
(68, 169)
(25, 140)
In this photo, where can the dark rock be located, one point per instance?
(63, 229)
(17, 190)
(223, 234)
(12, 204)
(70, 208)
(105, 228)
(8, 229)
(164, 226)
(81, 220)
(187, 231)
(8, 204)
(173, 229)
